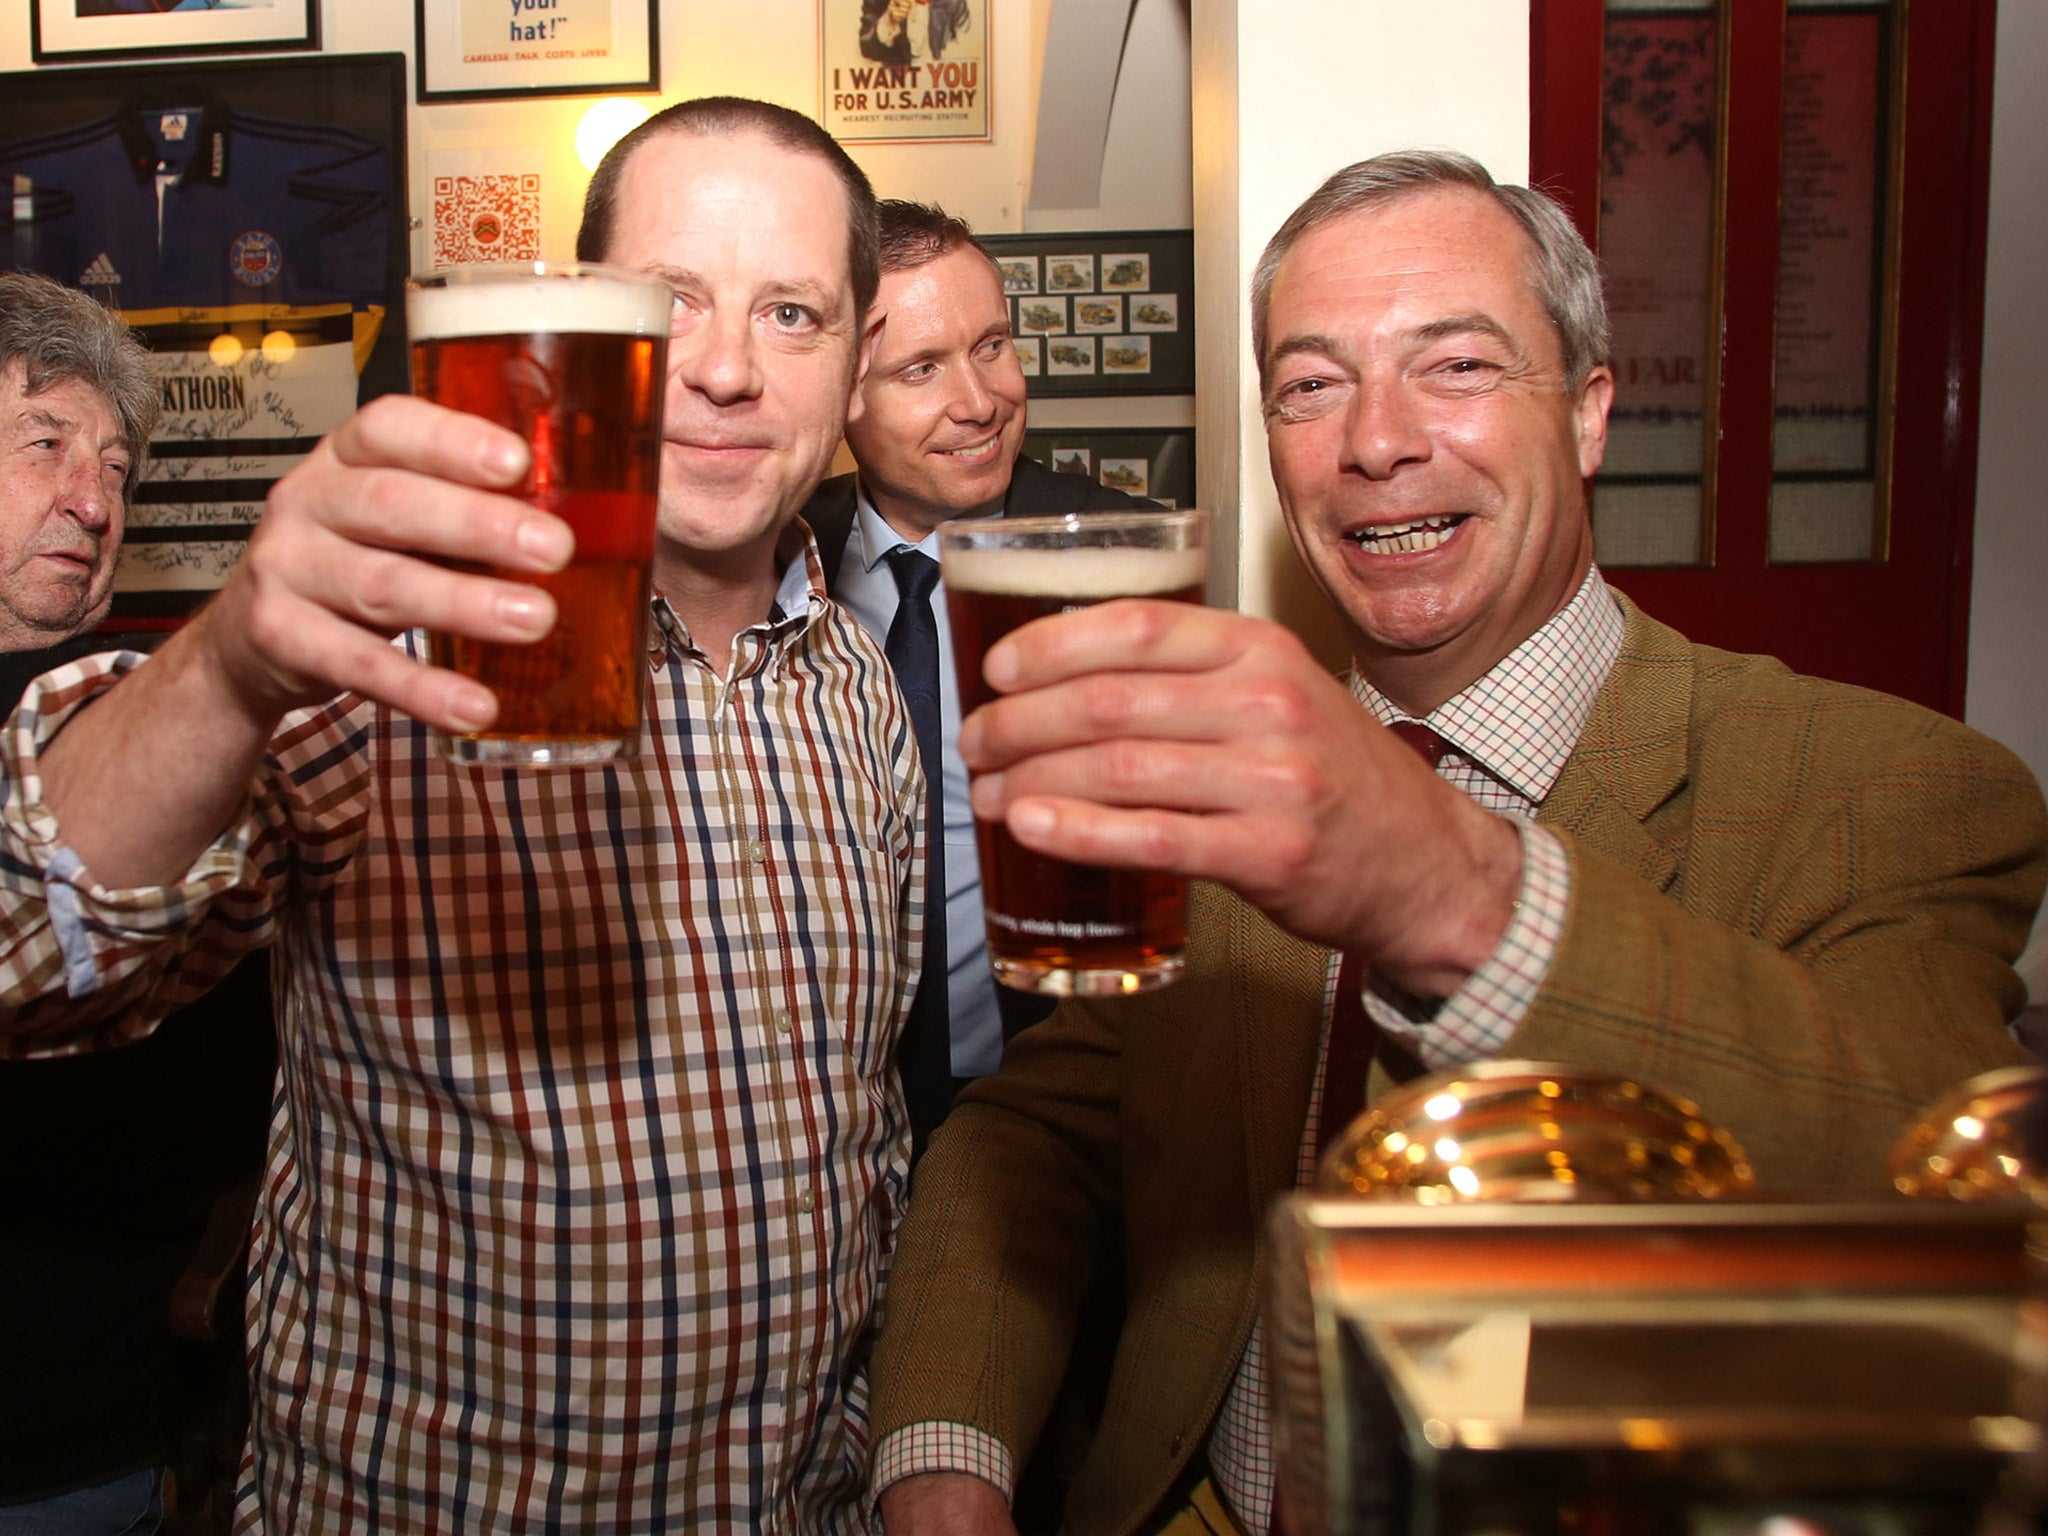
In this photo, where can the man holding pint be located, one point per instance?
(939, 435)
(590, 1152)
(1793, 902)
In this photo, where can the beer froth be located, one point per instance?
(588, 307)
(1079, 575)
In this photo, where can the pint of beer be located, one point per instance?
(1055, 927)
(571, 357)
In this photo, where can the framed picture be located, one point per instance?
(62, 31)
(1154, 462)
(891, 71)
(478, 50)
(1128, 300)
(263, 262)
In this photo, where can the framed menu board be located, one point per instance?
(1102, 313)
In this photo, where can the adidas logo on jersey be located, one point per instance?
(100, 274)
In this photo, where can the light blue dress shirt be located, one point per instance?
(867, 587)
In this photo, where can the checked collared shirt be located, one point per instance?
(588, 1153)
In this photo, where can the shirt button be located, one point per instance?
(807, 1202)
(783, 1021)
(756, 851)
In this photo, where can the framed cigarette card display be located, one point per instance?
(479, 50)
(1114, 312)
(67, 31)
(249, 220)
(1156, 462)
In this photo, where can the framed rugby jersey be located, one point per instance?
(250, 220)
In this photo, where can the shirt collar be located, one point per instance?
(876, 538)
(1520, 722)
(799, 597)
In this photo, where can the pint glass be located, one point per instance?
(571, 357)
(1055, 927)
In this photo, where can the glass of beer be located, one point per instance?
(572, 357)
(1055, 927)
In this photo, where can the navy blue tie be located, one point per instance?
(925, 1056)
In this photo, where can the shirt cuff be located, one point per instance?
(87, 921)
(937, 1446)
(1475, 1022)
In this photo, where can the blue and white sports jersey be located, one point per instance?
(199, 205)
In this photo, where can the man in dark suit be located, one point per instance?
(938, 436)
(1793, 902)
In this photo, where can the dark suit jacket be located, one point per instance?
(1794, 902)
(1035, 491)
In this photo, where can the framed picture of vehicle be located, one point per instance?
(67, 31)
(1116, 310)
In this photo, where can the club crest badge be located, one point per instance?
(255, 259)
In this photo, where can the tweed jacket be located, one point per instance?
(1793, 902)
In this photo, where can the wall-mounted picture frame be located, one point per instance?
(1154, 462)
(485, 50)
(1116, 309)
(889, 73)
(263, 262)
(83, 31)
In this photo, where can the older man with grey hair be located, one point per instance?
(77, 401)
(114, 1160)
(1793, 902)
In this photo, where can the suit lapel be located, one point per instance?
(1631, 757)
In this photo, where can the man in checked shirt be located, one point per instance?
(1793, 902)
(590, 1154)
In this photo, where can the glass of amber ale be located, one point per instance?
(572, 357)
(1056, 927)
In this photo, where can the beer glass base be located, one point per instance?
(527, 752)
(1054, 980)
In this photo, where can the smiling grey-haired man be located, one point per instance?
(1793, 902)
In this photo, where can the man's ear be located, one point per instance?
(1589, 412)
(863, 359)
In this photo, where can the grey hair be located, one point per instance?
(58, 335)
(1563, 272)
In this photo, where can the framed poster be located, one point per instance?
(479, 50)
(1157, 462)
(263, 262)
(904, 69)
(66, 30)
(1107, 314)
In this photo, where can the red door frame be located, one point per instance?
(1900, 624)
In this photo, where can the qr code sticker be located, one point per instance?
(489, 217)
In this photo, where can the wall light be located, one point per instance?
(606, 123)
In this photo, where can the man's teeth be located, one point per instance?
(968, 453)
(1407, 538)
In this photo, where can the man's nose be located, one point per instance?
(1387, 429)
(87, 497)
(970, 399)
(717, 358)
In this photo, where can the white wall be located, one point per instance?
(2008, 692)
(1288, 91)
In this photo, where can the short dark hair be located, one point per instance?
(59, 335)
(1562, 270)
(722, 117)
(915, 233)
